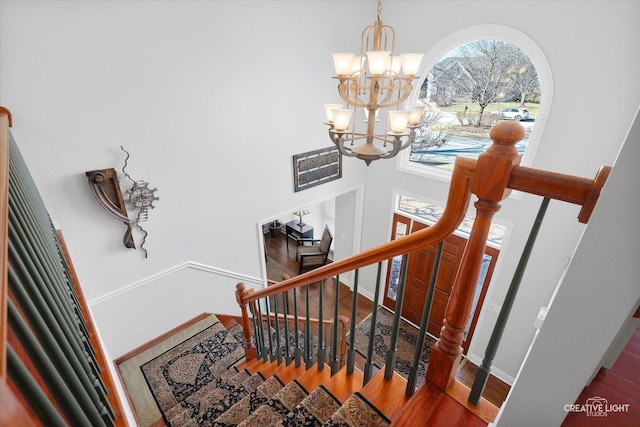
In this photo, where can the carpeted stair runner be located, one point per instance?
(274, 410)
(208, 403)
(245, 407)
(196, 383)
(315, 410)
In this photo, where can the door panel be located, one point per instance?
(419, 270)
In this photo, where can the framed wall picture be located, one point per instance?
(316, 167)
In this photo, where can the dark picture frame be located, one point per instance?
(316, 167)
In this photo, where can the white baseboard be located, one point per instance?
(503, 376)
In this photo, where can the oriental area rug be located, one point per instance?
(197, 383)
(407, 339)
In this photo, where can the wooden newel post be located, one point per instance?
(492, 172)
(249, 347)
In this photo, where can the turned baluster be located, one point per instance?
(249, 347)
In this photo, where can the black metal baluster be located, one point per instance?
(368, 364)
(296, 328)
(335, 364)
(39, 240)
(392, 353)
(37, 258)
(30, 218)
(308, 357)
(351, 352)
(426, 312)
(483, 371)
(269, 330)
(49, 330)
(254, 321)
(30, 389)
(277, 323)
(287, 336)
(48, 305)
(322, 350)
(65, 387)
(262, 343)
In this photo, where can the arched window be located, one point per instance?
(475, 78)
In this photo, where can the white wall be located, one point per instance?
(83, 78)
(194, 91)
(598, 295)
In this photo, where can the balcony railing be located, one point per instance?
(490, 178)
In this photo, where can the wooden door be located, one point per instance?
(419, 272)
(419, 269)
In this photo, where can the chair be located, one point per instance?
(315, 255)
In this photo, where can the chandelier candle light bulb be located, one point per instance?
(343, 63)
(399, 120)
(395, 64)
(329, 110)
(341, 119)
(378, 61)
(415, 114)
(411, 63)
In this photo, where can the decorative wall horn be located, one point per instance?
(105, 186)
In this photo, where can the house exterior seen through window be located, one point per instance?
(468, 91)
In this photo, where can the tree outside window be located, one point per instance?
(467, 92)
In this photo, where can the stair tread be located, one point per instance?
(314, 377)
(343, 385)
(387, 395)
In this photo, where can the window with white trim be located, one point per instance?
(474, 79)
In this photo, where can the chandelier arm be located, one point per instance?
(348, 93)
(404, 91)
(338, 140)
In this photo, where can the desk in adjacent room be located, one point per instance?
(298, 232)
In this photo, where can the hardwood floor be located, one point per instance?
(619, 385)
(495, 391)
(285, 255)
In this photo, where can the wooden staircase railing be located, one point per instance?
(490, 178)
(52, 369)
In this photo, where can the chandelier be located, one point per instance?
(376, 80)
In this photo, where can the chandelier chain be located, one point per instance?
(379, 10)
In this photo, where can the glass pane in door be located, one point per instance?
(394, 276)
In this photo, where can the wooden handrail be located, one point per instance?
(291, 318)
(5, 124)
(12, 407)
